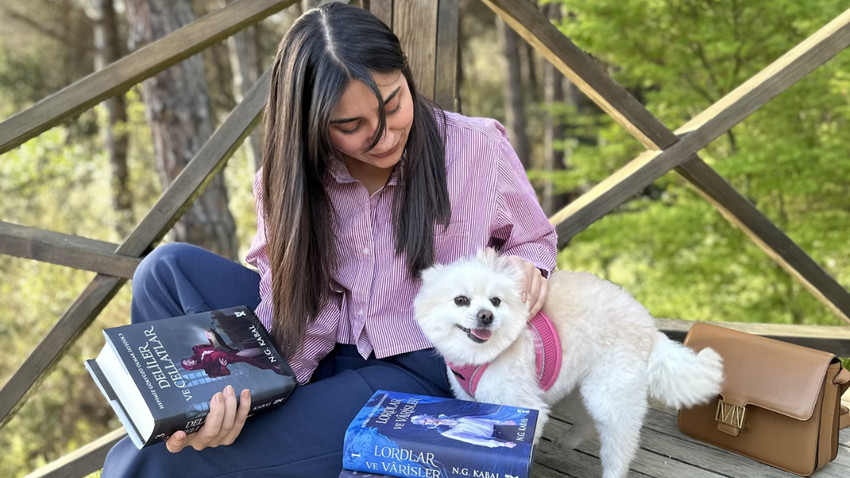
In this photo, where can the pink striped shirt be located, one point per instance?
(372, 296)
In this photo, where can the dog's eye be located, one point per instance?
(495, 301)
(462, 301)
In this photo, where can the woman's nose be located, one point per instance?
(386, 137)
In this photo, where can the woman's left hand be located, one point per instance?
(534, 287)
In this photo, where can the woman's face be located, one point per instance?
(354, 122)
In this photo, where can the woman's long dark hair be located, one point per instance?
(326, 49)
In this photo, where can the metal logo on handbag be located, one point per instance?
(780, 403)
(731, 415)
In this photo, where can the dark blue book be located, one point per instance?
(160, 376)
(404, 435)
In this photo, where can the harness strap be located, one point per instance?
(548, 357)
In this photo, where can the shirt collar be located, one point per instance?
(339, 172)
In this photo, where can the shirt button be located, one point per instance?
(365, 250)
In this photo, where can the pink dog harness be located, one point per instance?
(547, 351)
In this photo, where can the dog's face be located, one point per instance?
(471, 309)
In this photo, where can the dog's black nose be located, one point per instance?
(485, 317)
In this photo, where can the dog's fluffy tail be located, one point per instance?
(679, 377)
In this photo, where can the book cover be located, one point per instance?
(159, 376)
(404, 435)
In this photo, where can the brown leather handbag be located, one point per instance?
(780, 403)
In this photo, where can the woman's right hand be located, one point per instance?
(223, 424)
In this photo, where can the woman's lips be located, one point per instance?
(388, 153)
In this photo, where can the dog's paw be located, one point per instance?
(576, 435)
(570, 442)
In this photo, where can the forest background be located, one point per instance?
(96, 175)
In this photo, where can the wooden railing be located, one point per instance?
(666, 150)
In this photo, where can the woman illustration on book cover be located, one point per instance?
(477, 430)
(214, 359)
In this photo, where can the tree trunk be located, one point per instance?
(514, 100)
(107, 43)
(554, 128)
(246, 67)
(179, 113)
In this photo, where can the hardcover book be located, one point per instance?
(159, 376)
(404, 435)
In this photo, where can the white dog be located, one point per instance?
(612, 354)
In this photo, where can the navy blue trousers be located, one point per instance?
(302, 438)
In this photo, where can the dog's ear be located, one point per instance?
(493, 259)
(429, 274)
(488, 255)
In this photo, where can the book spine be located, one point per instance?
(166, 426)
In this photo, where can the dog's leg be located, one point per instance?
(532, 400)
(617, 403)
(582, 427)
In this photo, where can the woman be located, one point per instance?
(213, 359)
(364, 183)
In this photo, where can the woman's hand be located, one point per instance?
(223, 424)
(534, 287)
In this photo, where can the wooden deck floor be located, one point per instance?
(666, 453)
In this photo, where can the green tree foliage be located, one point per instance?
(670, 247)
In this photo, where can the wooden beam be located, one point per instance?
(535, 28)
(446, 92)
(773, 79)
(126, 72)
(65, 250)
(741, 212)
(209, 160)
(415, 24)
(615, 190)
(82, 461)
(52, 346)
(383, 9)
(829, 338)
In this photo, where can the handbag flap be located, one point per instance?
(778, 376)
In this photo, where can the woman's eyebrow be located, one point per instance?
(392, 95)
(348, 120)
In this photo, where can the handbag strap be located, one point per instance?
(843, 382)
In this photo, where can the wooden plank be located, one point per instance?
(728, 111)
(65, 250)
(727, 463)
(664, 452)
(209, 160)
(584, 461)
(772, 80)
(529, 23)
(124, 73)
(750, 96)
(72, 323)
(446, 76)
(82, 461)
(382, 9)
(415, 24)
(830, 338)
(717, 119)
(742, 213)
